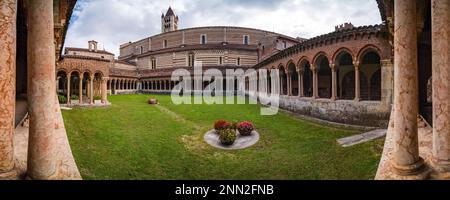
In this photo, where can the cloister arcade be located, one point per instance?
(342, 78)
(81, 87)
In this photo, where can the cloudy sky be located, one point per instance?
(114, 22)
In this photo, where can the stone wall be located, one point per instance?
(364, 113)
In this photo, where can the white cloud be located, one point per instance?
(114, 22)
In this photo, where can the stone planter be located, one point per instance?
(97, 101)
(153, 101)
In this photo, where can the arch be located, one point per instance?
(302, 61)
(366, 49)
(342, 51)
(370, 67)
(307, 77)
(320, 55)
(324, 83)
(345, 75)
(292, 79)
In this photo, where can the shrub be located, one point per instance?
(221, 125)
(227, 136)
(62, 99)
(74, 97)
(153, 101)
(245, 128)
(97, 98)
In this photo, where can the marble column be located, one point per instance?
(301, 91)
(69, 79)
(57, 84)
(80, 85)
(104, 89)
(42, 149)
(387, 83)
(91, 90)
(315, 82)
(405, 155)
(441, 84)
(8, 11)
(289, 84)
(333, 82)
(357, 81)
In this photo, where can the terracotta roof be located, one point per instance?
(311, 43)
(87, 50)
(85, 58)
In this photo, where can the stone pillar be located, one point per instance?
(91, 90)
(42, 150)
(110, 86)
(57, 84)
(289, 84)
(357, 81)
(333, 82)
(315, 82)
(301, 91)
(8, 10)
(69, 76)
(387, 83)
(104, 90)
(405, 155)
(441, 85)
(81, 89)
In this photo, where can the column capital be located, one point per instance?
(357, 64)
(333, 66)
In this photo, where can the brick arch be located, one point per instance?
(340, 52)
(290, 62)
(282, 65)
(75, 70)
(301, 60)
(366, 49)
(318, 55)
(62, 70)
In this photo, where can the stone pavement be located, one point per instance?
(365, 137)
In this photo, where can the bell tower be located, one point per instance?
(169, 22)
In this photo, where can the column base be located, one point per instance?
(357, 99)
(441, 169)
(54, 176)
(416, 171)
(10, 175)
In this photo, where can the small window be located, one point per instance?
(284, 44)
(103, 56)
(246, 39)
(238, 61)
(191, 60)
(142, 49)
(165, 44)
(220, 60)
(203, 39)
(153, 63)
(263, 49)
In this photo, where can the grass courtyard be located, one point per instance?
(134, 140)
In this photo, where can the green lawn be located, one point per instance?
(134, 140)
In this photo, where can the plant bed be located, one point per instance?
(241, 142)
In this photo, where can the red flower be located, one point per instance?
(221, 125)
(245, 128)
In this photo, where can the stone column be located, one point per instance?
(357, 81)
(81, 89)
(289, 84)
(333, 82)
(387, 83)
(91, 90)
(405, 155)
(69, 76)
(315, 82)
(110, 86)
(104, 90)
(441, 85)
(42, 150)
(57, 84)
(301, 91)
(8, 10)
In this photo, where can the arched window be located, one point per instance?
(238, 61)
(246, 40)
(203, 39)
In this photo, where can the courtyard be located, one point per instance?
(134, 140)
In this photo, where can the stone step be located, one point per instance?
(365, 137)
